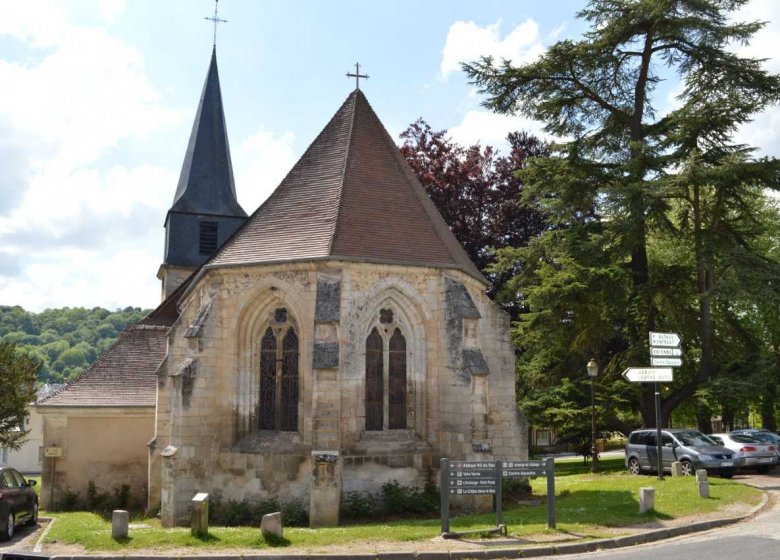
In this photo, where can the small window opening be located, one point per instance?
(208, 237)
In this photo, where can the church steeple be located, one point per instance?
(205, 211)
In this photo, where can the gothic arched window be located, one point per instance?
(279, 378)
(385, 376)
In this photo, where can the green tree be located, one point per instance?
(613, 186)
(17, 386)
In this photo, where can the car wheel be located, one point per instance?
(633, 466)
(33, 521)
(8, 533)
(686, 467)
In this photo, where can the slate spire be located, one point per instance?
(206, 182)
(205, 211)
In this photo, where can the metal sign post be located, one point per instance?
(664, 351)
(470, 478)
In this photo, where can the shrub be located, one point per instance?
(399, 499)
(357, 505)
(69, 501)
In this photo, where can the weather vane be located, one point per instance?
(216, 20)
(357, 75)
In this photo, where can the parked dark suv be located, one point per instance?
(691, 448)
(18, 502)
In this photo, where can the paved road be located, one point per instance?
(756, 539)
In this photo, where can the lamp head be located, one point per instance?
(593, 368)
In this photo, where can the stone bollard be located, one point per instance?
(200, 514)
(704, 488)
(677, 468)
(271, 525)
(701, 475)
(646, 499)
(120, 521)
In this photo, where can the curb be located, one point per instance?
(486, 554)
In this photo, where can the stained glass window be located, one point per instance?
(374, 382)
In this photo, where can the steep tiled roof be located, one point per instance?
(206, 183)
(124, 375)
(352, 197)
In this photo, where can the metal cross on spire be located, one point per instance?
(216, 20)
(357, 75)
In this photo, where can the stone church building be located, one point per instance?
(336, 339)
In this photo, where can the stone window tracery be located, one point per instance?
(386, 375)
(279, 376)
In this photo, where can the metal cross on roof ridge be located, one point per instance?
(357, 75)
(216, 20)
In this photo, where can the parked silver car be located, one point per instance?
(691, 448)
(764, 436)
(750, 452)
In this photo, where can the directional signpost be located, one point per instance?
(665, 353)
(476, 478)
(648, 374)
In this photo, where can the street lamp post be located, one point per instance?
(593, 371)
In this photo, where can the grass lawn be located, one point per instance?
(587, 505)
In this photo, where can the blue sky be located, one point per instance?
(97, 99)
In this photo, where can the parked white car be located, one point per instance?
(749, 452)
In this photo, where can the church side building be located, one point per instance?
(341, 339)
(337, 339)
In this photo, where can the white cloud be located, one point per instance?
(261, 162)
(110, 10)
(764, 131)
(74, 230)
(491, 129)
(85, 278)
(466, 42)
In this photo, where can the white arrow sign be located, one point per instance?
(668, 339)
(665, 351)
(673, 362)
(648, 375)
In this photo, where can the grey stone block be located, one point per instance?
(120, 521)
(458, 297)
(537, 551)
(629, 540)
(646, 499)
(657, 535)
(326, 355)
(328, 305)
(474, 362)
(272, 525)
(574, 548)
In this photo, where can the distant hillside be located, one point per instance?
(66, 340)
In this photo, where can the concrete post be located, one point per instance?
(677, 468)
(325, 491)
(701, 475)
(704, 489)
(271, 525)
(646, 499)
(200, 514)
(120, 522)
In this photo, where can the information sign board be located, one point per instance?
(670, 352)
(667, 339)
(648, 375)
(480, 478)
(671, 362)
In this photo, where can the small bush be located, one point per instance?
(294, 515)
(399, 499)
(250, 512)
(69, 501)
(357, 505)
